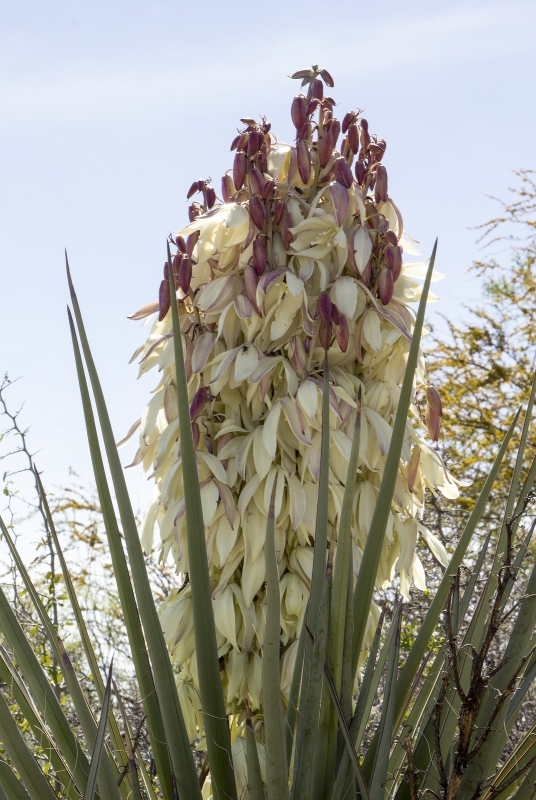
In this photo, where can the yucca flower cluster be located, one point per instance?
(301, 261)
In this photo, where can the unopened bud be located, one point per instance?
(312, 106)
(397, 262)
(256, 181)
(199, 401)
(239, 169)
(163, 300)
(235, 142)
(325, 148)
(433, 423)
(364, 124)
(181, 244)
(434, 400)
(279, 211)
(192, 190)
(328, 80)
(347, 121)
(228, 189)
(335, 316)
(343, 333)
(201, 185)
(341, 201)
(343, 173)
(191, 242)
(259, 255)
(193, 212)
(390, 238)
(304, 132)
(196, 434)
(335, 129)
(325, 335)
(268, 189)
(389, 258)
(243, 141)
(304, 161)
(380, 191)
(166, 271)
(353, 138)
(184, 274)
(365, 138)
(256, 210)
(285, 230)
(211, 196)
(317, 89)
(254, 143)
(251, 282)
(176, 264)
(324, 308)
(385, 285)
(297, 111)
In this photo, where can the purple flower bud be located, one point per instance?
(201, 186)
(185, 274)
(324, 308)
(434, 400)
(211, 196)
(199, 401)
(228, 189)
(254, 143)
(251, 282)
(389, 258)
(242, 142)
(390, 238)
(385, 285)
(325, 148)
(328, 80)
(325, 335)
(285, 229)
(397, 262)
(259, 255)
(343, 173)
(304, 132)
(312, 106)
(433, 423)
(192, 190)
(347, 121)
(317, 89)
(365, 138)
(279, 211)
(335, 129)
(240, 167)
(196, 434)
(181, 244)
(343, 333)
(364, 124)
(256, 210)
(335, 316)
(380, 191)
(193, 212)
(304, 161)
(256, 181)
(191, 242)
(268, 189)
(297, 112)
(235, 142)
(176, 264)
(353, 138)
(341, 201)
(163, 300)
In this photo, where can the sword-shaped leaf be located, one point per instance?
(212, 701)
(255, 789)
(98, 747)
(175, 734)
(274, 721)
(10, 786)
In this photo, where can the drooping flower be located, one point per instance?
(301, 257)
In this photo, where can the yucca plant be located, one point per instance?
(444, 716)
(300, 266)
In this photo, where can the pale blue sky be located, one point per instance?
(109, 110)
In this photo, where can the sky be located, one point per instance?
(109, 111)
